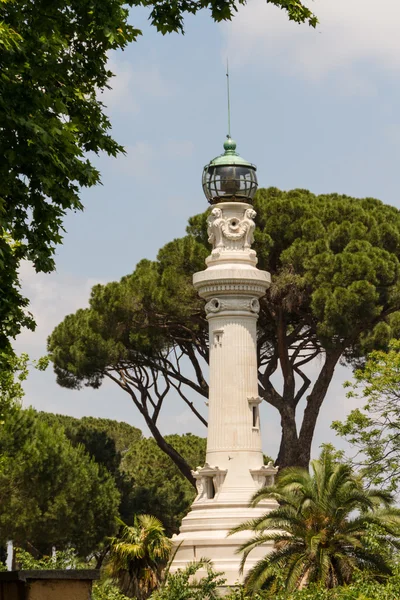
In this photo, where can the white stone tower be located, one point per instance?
(231, 285)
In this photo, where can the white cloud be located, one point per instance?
(51, 297)
(178, 148)
(120, 96)
(142, 158)
(138, 161)
(350, 31)
(133, 85)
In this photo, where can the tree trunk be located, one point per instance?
(314, 402)
(288, 455)
(295, 449)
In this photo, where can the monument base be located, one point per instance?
(204, 534)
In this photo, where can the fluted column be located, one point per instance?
(234, 423)
(231, 285)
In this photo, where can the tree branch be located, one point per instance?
(315, 400)
(306, 384)
(180, 462)
(189, 403)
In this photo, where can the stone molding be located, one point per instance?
(254, 400)
(265, 476)
(217, 305)
(202, 474)
(232, 286)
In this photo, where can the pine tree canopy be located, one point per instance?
(51, 493)
(335, 294)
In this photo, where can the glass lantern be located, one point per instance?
(229, 178)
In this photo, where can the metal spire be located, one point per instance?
(229, 103)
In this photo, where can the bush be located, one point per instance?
(61, 559)
(107, 590)
(363, 587)
(182, 585)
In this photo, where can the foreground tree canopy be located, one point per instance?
(158, 485)
(53, 63)
(334, 262)
(106, 442)
(64, 481)
(373, 430)
(146, 478)
(51, 493)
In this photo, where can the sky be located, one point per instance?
(315, 109)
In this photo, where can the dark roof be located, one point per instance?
(76, 574)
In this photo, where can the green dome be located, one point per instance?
(229, 145)
(230, 156)
(229, 177)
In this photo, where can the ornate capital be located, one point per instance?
(231, 232)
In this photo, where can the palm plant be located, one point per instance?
(320, 528)
(138, 555)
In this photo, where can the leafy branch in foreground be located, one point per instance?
(374, 429)
(11, 379)
(53, 64)
(183, 585)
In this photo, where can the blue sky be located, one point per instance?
(312, 109)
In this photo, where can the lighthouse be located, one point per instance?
(231, 286)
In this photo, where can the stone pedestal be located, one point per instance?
(234, 470)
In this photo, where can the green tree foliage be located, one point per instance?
(60, 559)
(362, 588)
(53, 62)
(107, 590)
(186, 585)
(138, 555)
(320, 528)
(334, 262)
(158, 484)
(106, 441)
(11, 380)
(104, 589)
(374, 429)
(51, 493)
(129, 335)
(146, 478)
(53, 59)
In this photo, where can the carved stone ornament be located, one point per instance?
(203, 476)
(231, 232)
(254, 400)
(265, 476)
(216, 305)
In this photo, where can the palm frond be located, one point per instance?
(315, 533)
